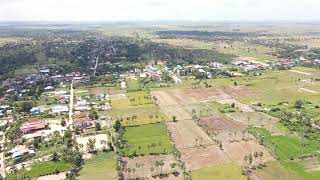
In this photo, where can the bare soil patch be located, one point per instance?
(207, 94)
(187, 134)
(100, 141)
(144, 167)
(178, 111)
(224, 129)
(238, 150)
(257, 119)
(172, 97)
(200, 157)
(238, 91)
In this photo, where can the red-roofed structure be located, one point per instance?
(33, 126)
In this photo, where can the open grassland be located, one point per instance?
(273, 86)
(100, 167)
(240, 49)
(146, 139)
(274, 170)
(290, 149)
(139, 99)
(40, 169)
(145, 167)
(137, 108)
(286, 147)
(221, 172)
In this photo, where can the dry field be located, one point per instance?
(187, 134)
(238, 150)
(101, 141)
(144, 167)
(189, 96)
(178, 111)
(257, 119)
(200, 157)
(225, 130)
(241, 106)
(172, 97)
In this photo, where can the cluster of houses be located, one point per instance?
(247, 65)
(288, 63)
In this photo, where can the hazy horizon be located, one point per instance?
(159, 10)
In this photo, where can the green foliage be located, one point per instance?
(93, 114)
(98, 126)
(146, 139)
(117, 126)
(40, 169)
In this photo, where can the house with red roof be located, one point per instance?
(33, 126)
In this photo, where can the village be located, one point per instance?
(92, 103)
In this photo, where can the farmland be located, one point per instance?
(223, 172)
(101, 166)
(167, 101)
(146, 139)
(147, 167)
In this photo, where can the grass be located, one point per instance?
(274, 170)
(222, 172)
(102, 166)
(41, 169)
(272, 87)
(140, 105)
(289, 148)
(134, 100)
(286, 147)
(241, 49)
(146, 139)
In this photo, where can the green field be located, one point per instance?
(274, 170)
(100, 167)
(137, 109)
(41, 169)
(241, 49)
(273, 86)
(222, 172)
(288, 148)
(146, 139)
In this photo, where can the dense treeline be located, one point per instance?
(205, 34)
(12, 60)
(80, 52)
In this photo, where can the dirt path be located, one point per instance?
(71, 104)
(308, 90)
(2, 167)
(301, 72)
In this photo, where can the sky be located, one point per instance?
(152, 10)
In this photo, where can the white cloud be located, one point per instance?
(159, 10)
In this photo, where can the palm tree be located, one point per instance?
(157, 166)
(174, 118)
(161, 164)
(256, 155)
(245, 160)
(261, 155)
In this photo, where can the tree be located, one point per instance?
(298, 104)
(98, 126)
(25, 106)
(91, 145)
(161, 164)
(63, 122)
(235, 83)
(14, 132)
(93, 114)
(174, 118)
(55, 156)
(117, 125)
